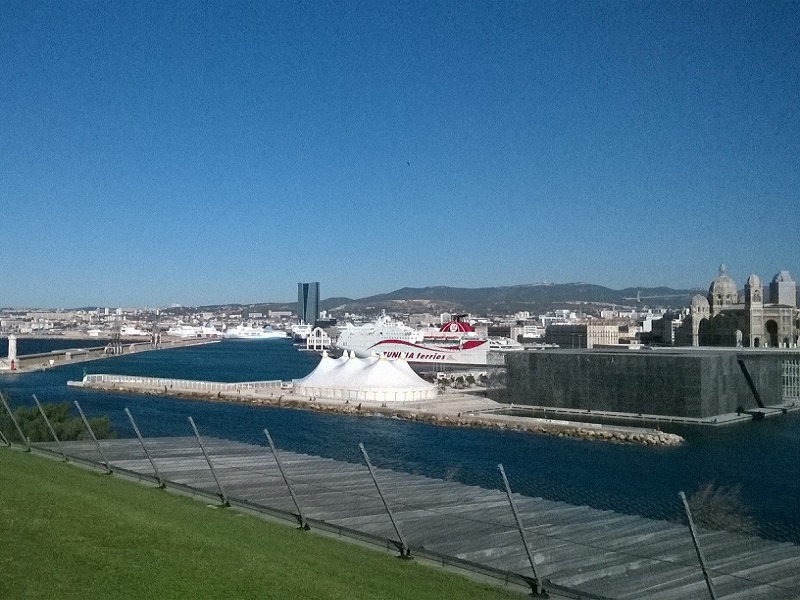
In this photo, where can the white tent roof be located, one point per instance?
(359, 374)
(318, 375)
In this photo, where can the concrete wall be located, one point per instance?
(687, 384)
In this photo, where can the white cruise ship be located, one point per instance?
(248, 332)
(454, 343)
(191, 331)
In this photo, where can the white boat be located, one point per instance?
(192, 331)
(248, 332)
(454, 343)
(130, 331)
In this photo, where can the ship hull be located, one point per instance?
(427, 353)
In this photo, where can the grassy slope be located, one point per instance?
(69, 533)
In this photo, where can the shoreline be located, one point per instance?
(450, 410)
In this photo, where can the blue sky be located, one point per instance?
(210, 152)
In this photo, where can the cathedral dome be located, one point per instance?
(699, 301)
(723, 287)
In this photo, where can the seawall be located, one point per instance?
(48, 360)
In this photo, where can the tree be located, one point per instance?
(721, 508)
(67, 427)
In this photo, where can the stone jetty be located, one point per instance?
(451, 409)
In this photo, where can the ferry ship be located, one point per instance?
(191, 331)
(247, 332)
(454, 343)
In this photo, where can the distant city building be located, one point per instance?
(424, 319)
(318, 340)
(308, 302)
(726, 318)
(582, 335)
(532, 332)
(661, 332)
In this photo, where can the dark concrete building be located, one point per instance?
(682, 383)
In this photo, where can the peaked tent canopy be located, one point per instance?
(373, 379)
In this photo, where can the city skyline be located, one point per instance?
(210, 153)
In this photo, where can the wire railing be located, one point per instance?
(567, 550)
(181, 385)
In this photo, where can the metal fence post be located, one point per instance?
(299, 516)
(696, 542)
(94, 437)
(22, 436)
(211, 466)
(50, 427)
(161, 483)
(538, 591)
(405, 551)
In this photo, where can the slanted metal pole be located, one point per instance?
(706, 575)
(405, 551)
(299, 516)
(94, 437)
(211, 466)
(22, 436)
(5, 441)
(537, 580)
(161, 483)
(50, 427)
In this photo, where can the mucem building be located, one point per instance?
(696, 383)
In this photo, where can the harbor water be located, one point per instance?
(761, 459)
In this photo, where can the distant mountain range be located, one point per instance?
(535, 298)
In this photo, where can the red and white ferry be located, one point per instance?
(454, 343)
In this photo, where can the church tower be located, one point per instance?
(754, 303)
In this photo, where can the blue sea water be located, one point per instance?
(761, 458)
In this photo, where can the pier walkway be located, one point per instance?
(578, 551)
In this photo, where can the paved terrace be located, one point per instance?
(596, 553)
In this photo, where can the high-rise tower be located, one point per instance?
(308, 302)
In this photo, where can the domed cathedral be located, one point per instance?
(727, 317)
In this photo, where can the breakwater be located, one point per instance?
(57, 358)
(451, 410)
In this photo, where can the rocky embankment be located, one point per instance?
(588, 431)
(620, 435)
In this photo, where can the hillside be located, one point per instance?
(535, 298)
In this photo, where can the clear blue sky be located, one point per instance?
(207, 152)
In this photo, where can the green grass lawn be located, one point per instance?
(66, 532)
